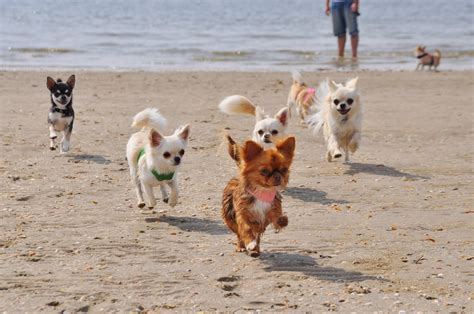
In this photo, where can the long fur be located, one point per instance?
(149, 118)
(317, 120)
(237, 104)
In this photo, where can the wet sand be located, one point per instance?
(391, 231)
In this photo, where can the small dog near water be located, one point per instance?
(252, 200)
(426, 58)
(340, 115)
(154, 159)
(61, 113)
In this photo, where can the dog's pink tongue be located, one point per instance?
(265, 196)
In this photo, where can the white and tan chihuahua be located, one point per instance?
(340, 115)
(153, 158)
(268, 130)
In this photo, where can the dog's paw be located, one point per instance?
(337, 155)
(52, 148)
(151, 207)
(165, 200)
(254, 254)
(141, 205)
(173, 202)
(282, 221)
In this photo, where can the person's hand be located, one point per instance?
(355, 7)
(327, 11)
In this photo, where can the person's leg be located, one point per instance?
(354, 44)
(341, 44)
(351, 21)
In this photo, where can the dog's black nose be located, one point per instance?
(266, 136)
(277, 178)
(177, 160)
(343, 106)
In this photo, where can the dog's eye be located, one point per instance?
(66, 91)
(336, 101)
(167, 155)
(181, 152)
(274, 132)
(260, 132)
(350, 101)
(265, 172)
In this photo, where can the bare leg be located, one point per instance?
(341, 44)
(354, 45)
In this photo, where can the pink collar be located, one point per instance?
(264, 196)
(309, 93)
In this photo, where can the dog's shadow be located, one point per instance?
(98, 159)
(192, 224)
(311, 195)
(380, 170)
(307, 265)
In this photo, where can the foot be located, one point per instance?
(254, 253)
(141, 205)
(282, 221)
(165, 200)
(337, 155)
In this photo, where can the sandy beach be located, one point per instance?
(391, 231)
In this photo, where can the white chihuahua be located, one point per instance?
(153, 158)
(268, 131)
(340, 113)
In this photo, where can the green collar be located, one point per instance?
(156, 174)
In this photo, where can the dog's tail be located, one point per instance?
(149, 118)
(437, 54)
(316, 120)
(297, 77)
(237, 104)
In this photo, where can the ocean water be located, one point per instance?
(274, 35)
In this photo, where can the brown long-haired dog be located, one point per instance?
(252, 201)
(301, 96)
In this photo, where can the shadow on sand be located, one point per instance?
(380, 170)
(98, 159)
(192, 224)
(278, 261)
(311, 195)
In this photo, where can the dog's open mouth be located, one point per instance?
(267, 141)
(344, 111)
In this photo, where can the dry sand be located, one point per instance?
(391, 231)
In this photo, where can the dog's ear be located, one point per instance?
(352, 84)
(259, 113)
(71, 81)
(287, 147)
(183, 132)
(282, 116)
(155, 138)
(50, 82)
(251, 150)
(332, 86)
(232, 148)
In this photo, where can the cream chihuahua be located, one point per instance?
(153, 158)
(340, 116)
(268, 130)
